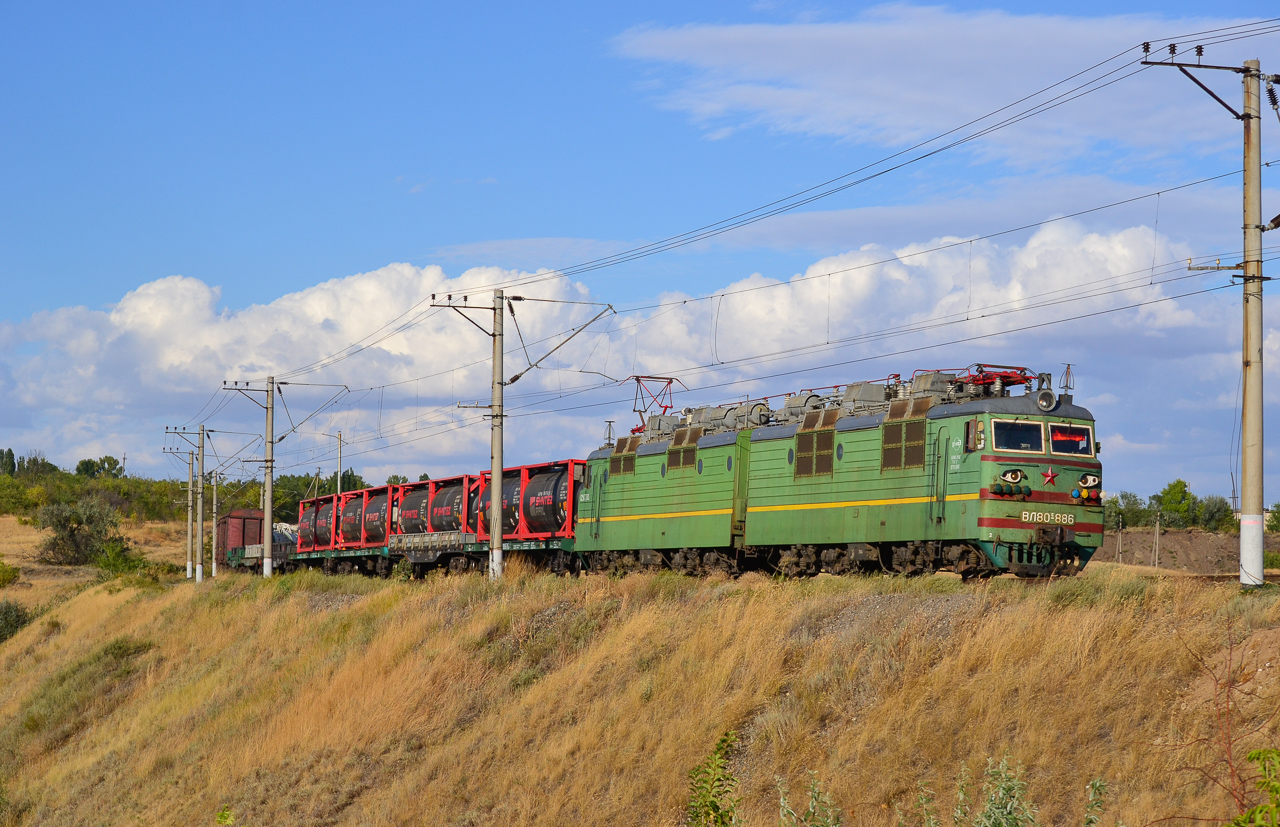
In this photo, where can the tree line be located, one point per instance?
(30, 481)
(1176, 506)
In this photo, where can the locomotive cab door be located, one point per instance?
(942, 454)
(740, 459)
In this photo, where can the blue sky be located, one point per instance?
(261, 153)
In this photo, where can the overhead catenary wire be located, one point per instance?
(759, 358)
(833, 185)
(1034, 110)
(861, 266)
(721, 385)
(449, 427)
(1137, 276)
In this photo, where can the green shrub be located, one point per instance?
(712, 788)
(821, 812)
(80, 532)
(116, 558)
(1004, 801)
(8, 574)
(1268, 781)
(1271, 560)
(13, 616)
(1216, 515)
(13, 496)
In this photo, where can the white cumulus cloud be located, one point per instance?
(83, 382)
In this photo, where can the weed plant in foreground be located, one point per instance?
(547, 701)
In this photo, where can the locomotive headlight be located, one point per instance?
(1089, 480)
(1013, 475)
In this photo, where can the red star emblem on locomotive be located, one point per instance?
(1049, 476)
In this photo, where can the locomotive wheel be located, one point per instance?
(384, 567)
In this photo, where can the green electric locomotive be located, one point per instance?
(943, 471)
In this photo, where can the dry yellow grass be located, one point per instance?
(41, 585)
(549, 701)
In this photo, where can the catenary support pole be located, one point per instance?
(339, 465)
(214, 544)
(495, 480)
(191, 461)
(200, 511)
(1251, 494)
(268, 527)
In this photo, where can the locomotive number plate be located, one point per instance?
(1048, 517)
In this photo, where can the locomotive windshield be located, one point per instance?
(1027, 437)
(1074, 440)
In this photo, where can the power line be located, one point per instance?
(1115, 283)
(815, 368)
(818, 191)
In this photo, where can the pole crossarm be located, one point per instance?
(461, 308)
(1218, 266)
(1239, 70)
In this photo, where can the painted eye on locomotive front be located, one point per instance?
(1014, 475)
(1089, 480)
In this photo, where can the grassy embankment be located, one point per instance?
(309, 700)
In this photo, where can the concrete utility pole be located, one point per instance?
(495, 450)
(1251, 444)
(502, 303)
(1251, 497)
(191, 461)
(214, 544)
(268, 531)
(200, 513)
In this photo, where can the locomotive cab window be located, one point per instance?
(1072, 440)
(1019, 437)
(975, 436)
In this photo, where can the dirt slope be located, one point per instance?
(1188, 550)
(545, 701)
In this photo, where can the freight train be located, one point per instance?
(944, 470)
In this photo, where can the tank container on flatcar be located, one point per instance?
(324, 524)
(352, 517)
(510, 504)
(307, 525)
(448, 506)
(546, 500)
(415, 502)
(377, 511)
